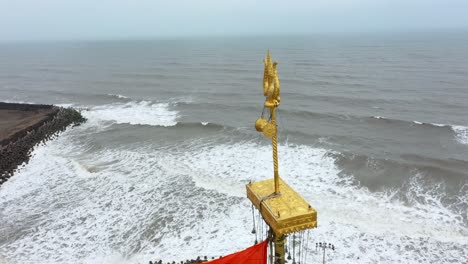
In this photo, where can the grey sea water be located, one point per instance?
(373, 133)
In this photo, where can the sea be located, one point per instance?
(373, 133)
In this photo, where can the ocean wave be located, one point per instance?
(141, 205)
(119, 96)
(430, 124)
(201, 125)
(187, 104)
(408, 122)
(64, 105)
(140, 75)
(462, 134)
(18, 102)
(134, 113)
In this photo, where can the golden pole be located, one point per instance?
(268, 199)
(274, 141)
(271, 90)
(279, 249)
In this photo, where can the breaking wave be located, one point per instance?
(118, 205)
(202, 125)
(130, 206)
(134, 113)
(461, 132)
(119, 96)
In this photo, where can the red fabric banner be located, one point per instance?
(252, 255)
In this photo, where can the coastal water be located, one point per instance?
(373, 133)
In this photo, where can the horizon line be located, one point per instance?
(236, 35)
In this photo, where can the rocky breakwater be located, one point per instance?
(23, 126)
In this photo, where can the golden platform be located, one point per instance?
(285, 213)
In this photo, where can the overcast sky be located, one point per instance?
(108, 19)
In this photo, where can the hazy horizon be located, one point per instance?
(54, 20)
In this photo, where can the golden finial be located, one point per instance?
(271, 84)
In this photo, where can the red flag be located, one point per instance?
(252, 255)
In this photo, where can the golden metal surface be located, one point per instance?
(260, 124)
(271, 89)
(285, 213)
(280, 257)
(271, 83)
(284, 210)
(274, 142)
(269, 130)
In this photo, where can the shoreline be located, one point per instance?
(23, 126)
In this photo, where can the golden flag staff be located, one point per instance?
(271, 89)
(285, 211)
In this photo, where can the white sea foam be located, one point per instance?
(18, 102)
(431, 124)
(118, 96)
(135, 113)
(438, 125)
(141, 205)
(64, 105)
(461, 134)
(379, 117)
